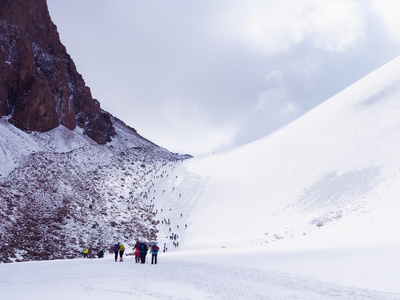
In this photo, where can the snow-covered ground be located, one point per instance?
(308, 212)
(220, 274)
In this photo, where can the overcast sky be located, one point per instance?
(203, 76)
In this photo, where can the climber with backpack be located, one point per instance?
(116, 249)
(154, 251)
(121, 251)
(143, 252)
(85, 252)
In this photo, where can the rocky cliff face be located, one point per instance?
(40, 87)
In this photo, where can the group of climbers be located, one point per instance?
(140, 251)
(119, 248)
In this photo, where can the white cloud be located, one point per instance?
(266, 26)
(336, 25)
(198, 139)
(274, 26)
(276, 98)
(388, 12)
(193, 131)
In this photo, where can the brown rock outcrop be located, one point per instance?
(40, 87)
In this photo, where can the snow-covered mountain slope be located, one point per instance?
(15, 143)
(61, 191)
(330, 178)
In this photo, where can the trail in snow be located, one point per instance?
(173, 194)
(172, 278)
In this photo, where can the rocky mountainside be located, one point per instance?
(71, 174)
(60, 191)
(40, 87)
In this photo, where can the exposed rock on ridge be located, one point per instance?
(40, 87)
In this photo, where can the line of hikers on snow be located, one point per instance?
(140, 252)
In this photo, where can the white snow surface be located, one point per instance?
(218, 274)
(308, 212)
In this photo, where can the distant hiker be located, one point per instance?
(100, 254)
(137, 255)
(154, 252)
(143, 252)
(137, 245)
(116, 249)
(85, 252)
(90, 251)
(121, 251)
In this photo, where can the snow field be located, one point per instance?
(220, 274)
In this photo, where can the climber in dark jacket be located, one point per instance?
(116, 249)
(143, 252)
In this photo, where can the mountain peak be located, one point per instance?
(40, 87)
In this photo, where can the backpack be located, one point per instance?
(116, 247)
(155, 248)
(143, 247)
